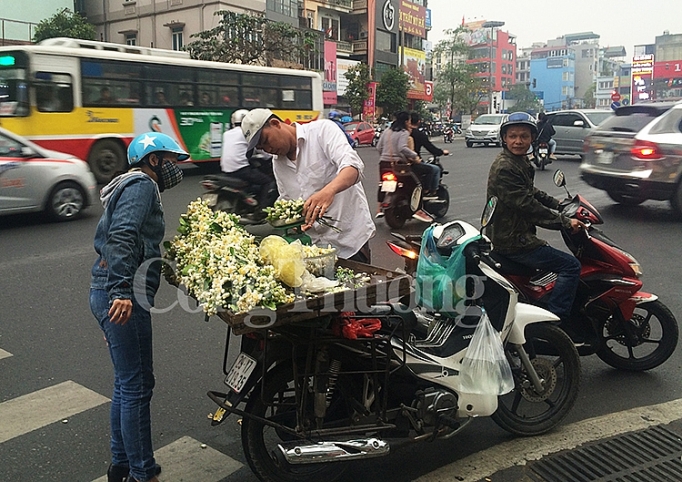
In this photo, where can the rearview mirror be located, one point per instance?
(579, 123)
(559, 178)
(488, 211)
(28, 152)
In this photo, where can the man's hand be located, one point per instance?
(577, 226)
(316, 205)
(446, 152)
(120, 311)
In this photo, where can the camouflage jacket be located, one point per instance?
(521, 206)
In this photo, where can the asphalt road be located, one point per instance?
(52, 351)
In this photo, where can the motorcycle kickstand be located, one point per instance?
(538, 383)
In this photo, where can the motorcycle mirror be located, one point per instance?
(488, 211)
(560, 180)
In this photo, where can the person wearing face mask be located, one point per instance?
(125, 278)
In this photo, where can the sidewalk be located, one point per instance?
(645, 442)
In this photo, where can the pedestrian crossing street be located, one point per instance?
(185, 459)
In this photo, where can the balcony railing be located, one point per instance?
(345, 4)
(360, 47)
(342, 46)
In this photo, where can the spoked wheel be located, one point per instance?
(395, 217)
(527, 411)
(644, 342)
(260, 441)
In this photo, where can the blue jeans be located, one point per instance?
(430, 173)
(565, 265)
(130, 347)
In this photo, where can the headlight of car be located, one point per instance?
(467, 132)
(494, 132)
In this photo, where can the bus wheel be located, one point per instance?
(106, 158)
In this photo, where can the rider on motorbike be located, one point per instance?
(421, 139)
(522, 207)
(234, 161)
(545, 133)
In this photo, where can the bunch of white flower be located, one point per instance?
(285, 210)
(220, 265)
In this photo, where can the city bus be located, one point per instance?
(90, 99)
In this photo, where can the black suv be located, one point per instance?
(637, 154)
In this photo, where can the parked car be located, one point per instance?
(362, 133)
(37, 179)
(637, 154)
(573, 126)
(485, 130)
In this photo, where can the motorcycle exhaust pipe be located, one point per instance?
(324, 452)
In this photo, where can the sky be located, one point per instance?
(622, 22)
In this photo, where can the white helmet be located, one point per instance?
(238, 116)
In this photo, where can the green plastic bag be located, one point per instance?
(437, 276)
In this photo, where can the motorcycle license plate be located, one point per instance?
(543, 151)
(240, 372)
(210, 198)
(389, 186)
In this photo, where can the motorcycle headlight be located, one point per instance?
(634, 264)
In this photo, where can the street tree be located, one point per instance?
(64, 23)
(251, 39)
(392, 91)
(589, 97)
(358, 77)
(525, 100)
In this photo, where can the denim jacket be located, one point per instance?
(127, 239)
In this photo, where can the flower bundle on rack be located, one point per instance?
(285, 211)
(220, 265)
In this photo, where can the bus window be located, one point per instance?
(256, 97)
(217, 77)
(229, 96)
(290, 82)
(207, 96)
(54, 92)
(297, 99)
(115, 93)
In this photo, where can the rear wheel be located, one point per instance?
(356, 142)
(395, 217)
(106, 159)
(275, 399)
(646, 341)
(625, 199)
(526, 411)
(66, 201)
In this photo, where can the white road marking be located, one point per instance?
(185, 460)
(519, 451)
(4, 354)
(29, 412)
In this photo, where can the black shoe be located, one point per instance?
(121, 473)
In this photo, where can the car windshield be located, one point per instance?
(350, 127)
(598, 117)
(489, 119)
(632, 119)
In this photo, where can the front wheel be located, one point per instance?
(274, 399)
(644, 342)
(469, 144)
(66, 201)
(527, 411)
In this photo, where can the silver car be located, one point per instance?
(637, 155)
(36, 179)
(485, 130)
(573, 126)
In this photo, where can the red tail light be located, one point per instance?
(388, 176)
(646, 151)
(404, 252)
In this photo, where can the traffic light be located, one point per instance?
(535, 83)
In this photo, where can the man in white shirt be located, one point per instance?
(234, 160)
(315, 162)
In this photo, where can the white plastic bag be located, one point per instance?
(485, 369)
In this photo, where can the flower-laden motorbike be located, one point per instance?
(325, 385)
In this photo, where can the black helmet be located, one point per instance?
(519, 119)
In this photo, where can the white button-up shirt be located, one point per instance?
(233, 156)
(322, 152)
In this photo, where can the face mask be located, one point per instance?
(170, 175)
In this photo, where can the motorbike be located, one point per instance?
(626, 328)
(312, 400)
(400, 193)
(224, 192)
(448, 134)
(540, 155)
(377, 135)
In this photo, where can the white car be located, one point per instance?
(34, 179)
(485, 130)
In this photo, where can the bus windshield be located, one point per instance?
(13, 85)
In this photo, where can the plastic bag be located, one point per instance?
(312, 284)
(485, 369)
(437, 275)
(286, 258)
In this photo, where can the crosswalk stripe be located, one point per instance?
(4, 354)
(185, 459)
(24, 414)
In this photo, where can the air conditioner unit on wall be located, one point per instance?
(363, 35)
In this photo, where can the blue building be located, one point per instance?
(552, 76)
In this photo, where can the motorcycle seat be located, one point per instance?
(508, 266)
(393, 310)
(228, 181)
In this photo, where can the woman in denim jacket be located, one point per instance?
(125, 278)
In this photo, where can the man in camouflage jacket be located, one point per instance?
(522, 207)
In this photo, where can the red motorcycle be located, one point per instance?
(627, 328)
